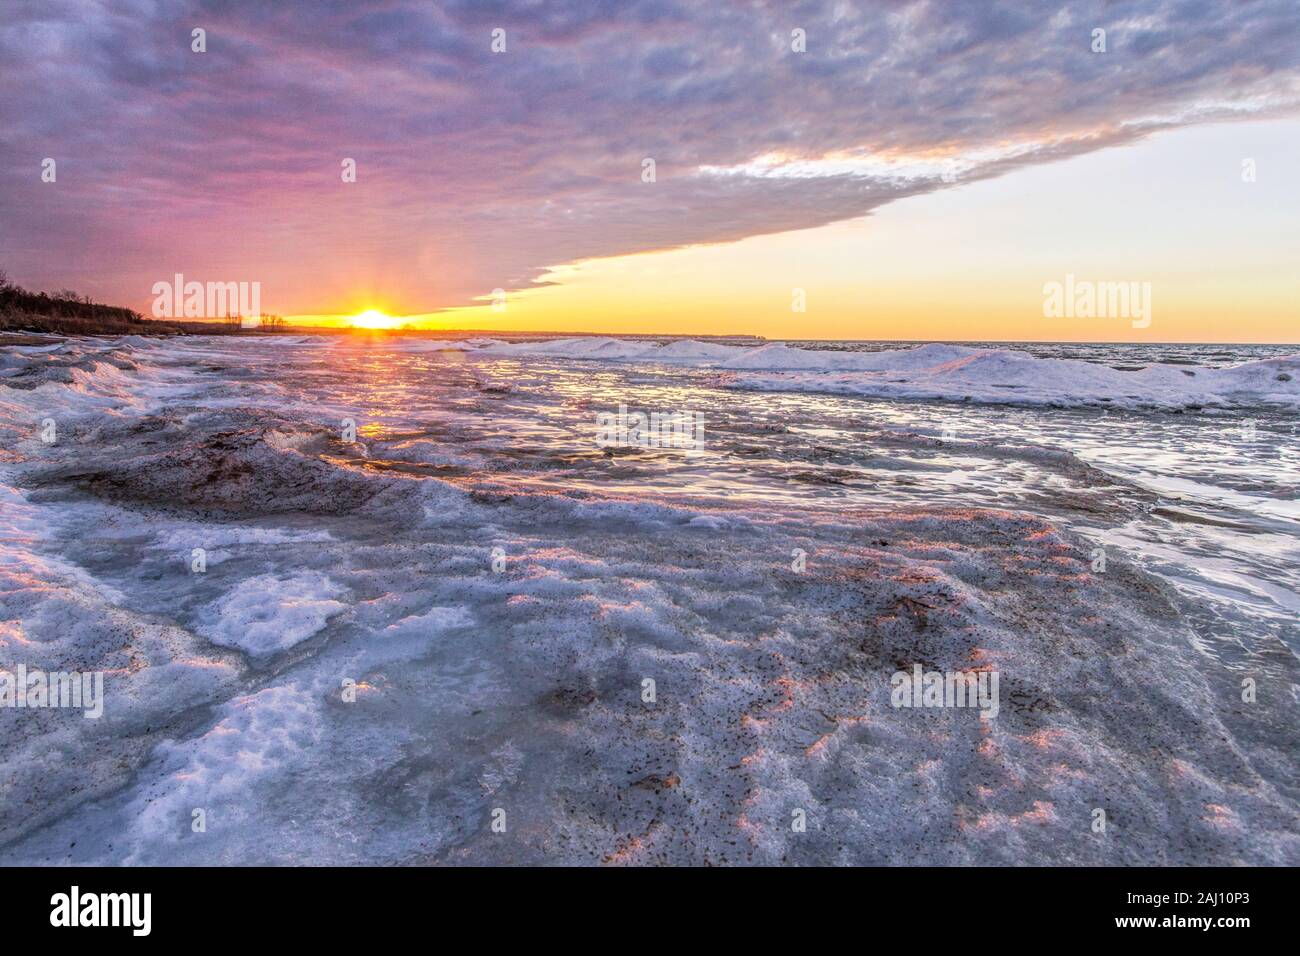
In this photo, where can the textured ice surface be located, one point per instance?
(953, 373)
(267, 613)
(458, 613)
(1014, 378)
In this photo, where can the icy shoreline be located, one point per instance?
(521, 689)
(949, 373)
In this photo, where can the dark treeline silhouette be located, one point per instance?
(67, 313)
(64, 304)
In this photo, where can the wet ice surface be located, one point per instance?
(957, 535)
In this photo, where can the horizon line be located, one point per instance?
(750, 335)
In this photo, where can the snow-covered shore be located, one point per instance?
(949, 373)
(498, 625)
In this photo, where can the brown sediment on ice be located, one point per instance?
(524, 687)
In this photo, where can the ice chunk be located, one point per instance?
(266, 614)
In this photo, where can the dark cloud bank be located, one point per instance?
(478, 170)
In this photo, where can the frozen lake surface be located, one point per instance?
(448, 619)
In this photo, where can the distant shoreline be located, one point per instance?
(15, 329)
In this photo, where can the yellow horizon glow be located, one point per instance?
(967, 263)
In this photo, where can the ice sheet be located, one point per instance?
(391, 648)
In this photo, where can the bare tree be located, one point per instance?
(272, 322)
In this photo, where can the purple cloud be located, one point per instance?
(479, 170)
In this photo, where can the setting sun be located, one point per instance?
(372, 319)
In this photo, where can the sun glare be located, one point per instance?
(372, 319)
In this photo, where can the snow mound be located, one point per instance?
(942, 372)
(266, 614)
(1003, 376)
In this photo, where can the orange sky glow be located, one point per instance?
(964, 263)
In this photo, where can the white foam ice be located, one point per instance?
(432, 621)
(520, 685)
(266, 614)
(29, 533)
(56, 615)
(253, 739)
(950, 373)
(221, 543)
(780, 357)
(681, 351)
(1016, 378)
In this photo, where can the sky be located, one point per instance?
(919, 170)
